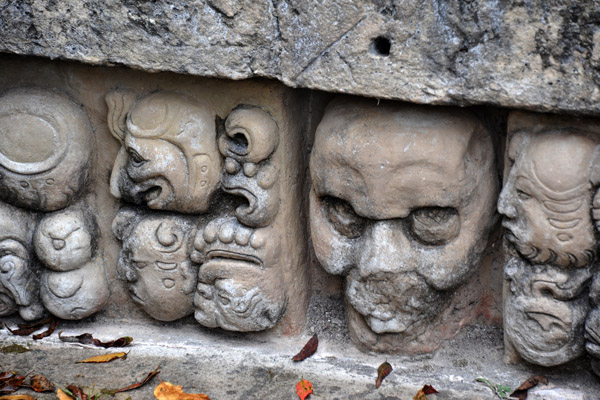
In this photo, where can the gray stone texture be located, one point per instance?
(539, 55)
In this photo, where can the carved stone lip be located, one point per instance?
(231, 255)
(252, 200)
(134, 296)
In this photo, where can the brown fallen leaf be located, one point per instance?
(47, 332)
(40, 383)
(384, 370)
(104, 358)
(87, 338)
(424, 391)
(17, 397)
(112, 392)
(11, 384)
(76, 392)
(520, 393)
(62, 395)
(168, 391)
(308, 350)
(6, 375)
(304, 389)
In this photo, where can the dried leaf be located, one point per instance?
(6, 375)
(17, 397)
(104, 358)
(35, 324)
(62, 395)
(28, 329)
(168, 391)
(384, 370)
(14, 349)
(303, 389)
(47, 332)
(308, 350)
(40, 383)
(424, 391)
(151, 375)
(11, 384)
(520, 393)
(498, 389)
(87, 338)
(76, 392)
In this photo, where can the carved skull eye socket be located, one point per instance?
(343, 217)
(136, 159)
(434, 225)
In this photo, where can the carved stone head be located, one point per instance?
(239, 282)
(155, 262)
(19, 286)
(401, 204)
(169, 158)
(45, 149)
(546, 203)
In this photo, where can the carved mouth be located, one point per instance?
(135, 297)
(546, 319)
(151, 194)
(226, 255)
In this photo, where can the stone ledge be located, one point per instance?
(539, 56)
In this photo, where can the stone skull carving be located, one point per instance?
(239, 287)
(155, 262)
(19, 285)
(45, 149)
(546, 203)
(74, 284)
(401, 205)
(169, 158)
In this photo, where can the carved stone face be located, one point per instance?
(169, 158)
(63, 241)
(239, 286)
(45, 149)
(546, 199)
(546, 202)
(401, 203)
(155, 262)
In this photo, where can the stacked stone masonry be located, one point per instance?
(187, 196)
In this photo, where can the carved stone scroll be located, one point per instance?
(401, 205)
(550, 184)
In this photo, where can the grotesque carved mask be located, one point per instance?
(401, 204)
(169, 158)
(546, 202)
(239, 287)
(45, 148)
(155, 262)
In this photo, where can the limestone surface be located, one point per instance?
(540, 55)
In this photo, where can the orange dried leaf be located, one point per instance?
(520, 393)
(168, 391)
(40, 383)
(17, 397)
(104, 358)
(384, 370)
(62, 395)
(303, 389)
(308, 350)
(424, 391)
(151, 375)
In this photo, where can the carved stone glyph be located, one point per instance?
(155, 261)
(169, 158)
(401, 204)
(548, 204)
(46, 147)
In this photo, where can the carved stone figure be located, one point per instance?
(250, 137)
(169, 158)
(546, 203)
(239, 282)
(19, 286)
(401, 205)
(45, 148)
(74, 284)
(155, 262)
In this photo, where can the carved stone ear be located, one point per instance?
(251, 135)
(119, 103)
(124, 222)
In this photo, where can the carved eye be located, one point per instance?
(224, 299)
(434, 225)
(136, 159)
(139, 264)
(523, 195)
(343, 217)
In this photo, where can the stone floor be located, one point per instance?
(232, 366)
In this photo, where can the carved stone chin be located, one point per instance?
(45, 147)
(239, 281)
(169, 158)
(401, 204)
(74, 285)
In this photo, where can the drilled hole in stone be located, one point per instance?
(381, 46)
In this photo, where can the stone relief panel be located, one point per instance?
(401, 204)
(214, 184)
(49, 254)
(548, 206)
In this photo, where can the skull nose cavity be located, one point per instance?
(58, 244)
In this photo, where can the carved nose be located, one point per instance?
(505, 204)
(384, 244)
(58, 244)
